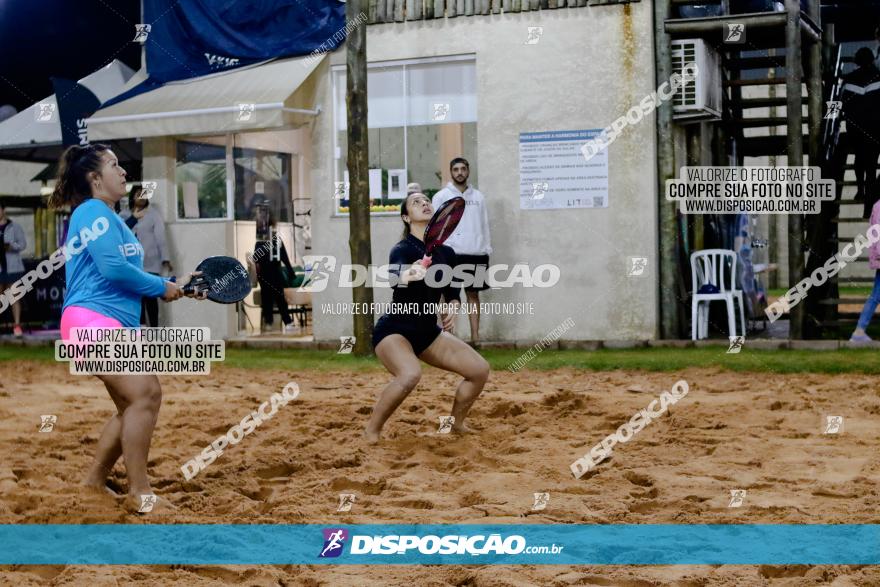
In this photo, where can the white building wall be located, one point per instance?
(560, 83)
(188, 243)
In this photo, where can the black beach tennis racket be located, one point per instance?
(442, 224)
(224, 279)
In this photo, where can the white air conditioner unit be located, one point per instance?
(700, 98)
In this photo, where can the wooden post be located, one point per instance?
(795, 153)
(38, 227)
(668, 232)
(413, 9)
(52, 242)
(359, 190)
(44, 232)
(820, 226)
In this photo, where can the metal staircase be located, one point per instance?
(832, 314)
(755, 126)
(828, 313)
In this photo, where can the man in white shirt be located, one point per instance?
(470, 241)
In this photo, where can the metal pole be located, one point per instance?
(773, 221)
(358, 174)
(795, 152)
(695, 158)
(814, 89)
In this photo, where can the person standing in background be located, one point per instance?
(861, 110)
(11, 268)
(268, 257)
(470, 241)
(149, 228)
(859, 335)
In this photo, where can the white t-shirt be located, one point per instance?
(471, 237)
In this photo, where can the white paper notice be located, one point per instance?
(396, 183)
(554, 174)
(375, 184)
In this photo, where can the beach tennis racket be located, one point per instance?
(442, 224)
(224, 279)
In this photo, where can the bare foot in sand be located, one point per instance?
(462, 429)
(371, 437)
(98, 489)
(98, 497)
(148, 503)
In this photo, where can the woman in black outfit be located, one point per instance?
(400, 339)
(268, 256)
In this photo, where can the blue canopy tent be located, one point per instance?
(194, 38)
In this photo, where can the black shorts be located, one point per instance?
(476, 260)
(7, 278)
(419, 334)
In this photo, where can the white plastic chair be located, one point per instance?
(716, 267)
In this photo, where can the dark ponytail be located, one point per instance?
(72, 185)
(133, 195)
(403, 213)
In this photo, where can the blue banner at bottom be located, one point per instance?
(455, 544)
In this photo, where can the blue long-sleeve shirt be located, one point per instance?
(107, 276)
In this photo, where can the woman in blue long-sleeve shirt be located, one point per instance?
(105, 282)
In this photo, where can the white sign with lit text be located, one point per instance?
(554, 174)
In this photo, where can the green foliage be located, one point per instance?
(646, 359)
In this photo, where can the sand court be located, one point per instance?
(732, 431)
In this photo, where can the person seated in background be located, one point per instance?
(146, 223)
